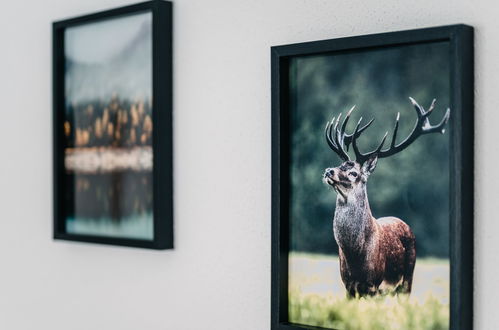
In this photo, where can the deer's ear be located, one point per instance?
(369, 165)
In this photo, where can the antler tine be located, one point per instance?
(340, 134)
(345, 121)
(440, 127)
(348, 137)
(444, 121)
(432, 106)
(337, 121)
(359, 157)
(331, 137)
(419, 109)
(381, 144)
(395, 130)
(327, 133)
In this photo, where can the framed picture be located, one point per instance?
(112, 127)
(372, 181)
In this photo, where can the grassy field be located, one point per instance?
(317, 297)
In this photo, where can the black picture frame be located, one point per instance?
(461, 58)
(162, 119)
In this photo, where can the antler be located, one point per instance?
(336, 136)
(422, 127)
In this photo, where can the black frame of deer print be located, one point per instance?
(461, 130)
(138, 164)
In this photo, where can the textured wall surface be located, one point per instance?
(218, 277)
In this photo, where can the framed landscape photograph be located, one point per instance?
(112, 127)
(372, 181)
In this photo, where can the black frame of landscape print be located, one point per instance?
(461, 59)
(161, 116)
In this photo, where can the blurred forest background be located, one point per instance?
(412, 185)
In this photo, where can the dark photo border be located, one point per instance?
(162, 119)
(461, 59)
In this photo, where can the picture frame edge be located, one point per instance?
(163, 231)
(462, 257)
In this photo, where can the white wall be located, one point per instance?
(218, 277)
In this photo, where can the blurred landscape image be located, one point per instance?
(412, 185)
(108, 128)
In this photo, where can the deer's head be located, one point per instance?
(351, 175)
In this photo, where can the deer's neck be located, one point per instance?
(354, 224)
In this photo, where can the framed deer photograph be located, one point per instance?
(112, 127)
(372, 181)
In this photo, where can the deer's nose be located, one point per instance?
(329, 172)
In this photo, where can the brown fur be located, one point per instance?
(389, 257)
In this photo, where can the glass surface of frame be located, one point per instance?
(364, 231)
(112, 90)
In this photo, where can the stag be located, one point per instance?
(376, 255)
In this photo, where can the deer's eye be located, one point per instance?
(353, 174)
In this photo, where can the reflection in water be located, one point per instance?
(137, 227)
(108, 162)
(110, 204)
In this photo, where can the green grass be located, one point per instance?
(317, 297)
(383, 313)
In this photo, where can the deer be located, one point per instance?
(376, 256)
